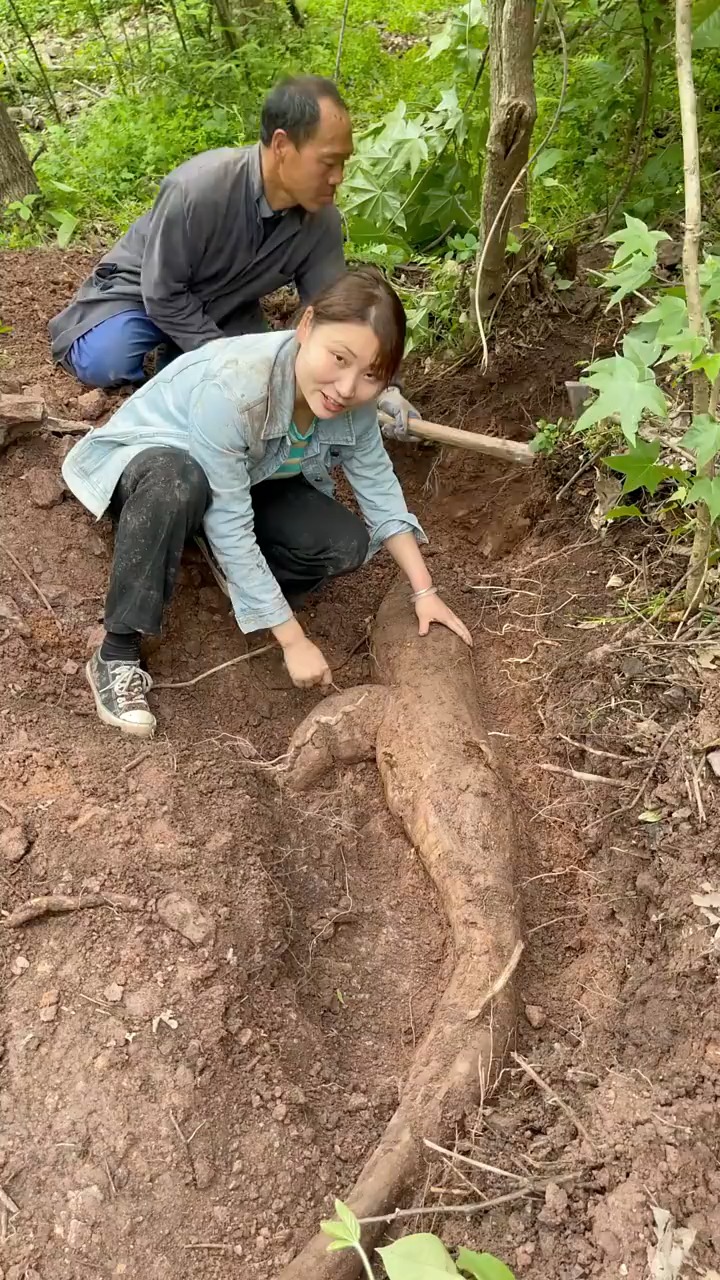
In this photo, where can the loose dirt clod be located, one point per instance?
(185, 917)
(423, 726)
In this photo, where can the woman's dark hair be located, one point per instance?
(293, 105)
(363, 296)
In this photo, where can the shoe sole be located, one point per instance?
(135, 730)
(217, 573)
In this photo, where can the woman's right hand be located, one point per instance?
(306, 663)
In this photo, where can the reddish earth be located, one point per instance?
(174, 1107)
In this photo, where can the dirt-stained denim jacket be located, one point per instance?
(229, 405)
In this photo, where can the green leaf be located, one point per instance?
(642, 354)
(417, 1257)
(670, 315)
(623, 513)
(708, 491)
(685, 345)
(346, 1216)
(634, 238)
(441, 42)
(709, 365)
(639, 467)
(547, 160)
(706, 24)
(67, 222)
(483, 1266)
(625, 391)
(703, 437)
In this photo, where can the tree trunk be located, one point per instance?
(512, 117)
(16, 173)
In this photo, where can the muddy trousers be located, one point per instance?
(159, 504)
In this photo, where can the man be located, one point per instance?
(227, 228)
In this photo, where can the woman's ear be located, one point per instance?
(305, 325)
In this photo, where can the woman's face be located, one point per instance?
(333, 368)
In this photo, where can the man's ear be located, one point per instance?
(279, 143)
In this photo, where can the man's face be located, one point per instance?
(312, 172)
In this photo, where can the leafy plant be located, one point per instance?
(415, 1257)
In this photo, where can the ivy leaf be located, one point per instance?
(417, 1257)
(640, 467)
(706, 490)
(483, 1266)
(623, 391)
(703, 437)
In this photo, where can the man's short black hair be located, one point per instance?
(294, 106)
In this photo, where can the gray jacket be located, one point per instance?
(201, 258)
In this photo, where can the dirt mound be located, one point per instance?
(177, 1105)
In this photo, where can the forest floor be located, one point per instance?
(186, 1086)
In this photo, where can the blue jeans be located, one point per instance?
(112, 352)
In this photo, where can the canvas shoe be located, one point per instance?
(120, 691)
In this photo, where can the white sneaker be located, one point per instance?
(120, 691)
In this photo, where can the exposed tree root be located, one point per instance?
(441, 781)
(59, 904)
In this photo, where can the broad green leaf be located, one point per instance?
(670, 315)
(643, 354)
(547, 160)
(338, 1232)
(703, 437)
(622, 513)
(417, 1257)
(706, 24)
(67, 222)
(441, 42)
(483, 1266)
(634, 238)
(625, 392)
(631, 274)
(336, 1245)
(685, 346)
(709, 365)
(346, 1216)
(710, 281)
(639, 467)
(368, 198)
(708, 491)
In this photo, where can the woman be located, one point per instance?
(237, 439)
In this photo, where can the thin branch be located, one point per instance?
(542, 1084)
(639, 129)
(341, 38)
(38, 590)
(513, 187)
(185, 684)
(41, 65)
(480, 1206)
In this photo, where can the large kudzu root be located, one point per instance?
(442, 782)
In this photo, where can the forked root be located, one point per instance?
(441, 781)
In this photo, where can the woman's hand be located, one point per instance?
(306, 664)
(431, 609)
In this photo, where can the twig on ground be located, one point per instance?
(580, 471)
(702, 816)
(596, 751)
(7, 1203)
(136, 760)
(10, 812)
(481, 1206)
(542, 1084)
(203, 1245)
(476, 1164)
(639, 793)
(500, 982)
(584, 777)
(38, 590)
(113, 1188)
(185, 684)
(59, 904)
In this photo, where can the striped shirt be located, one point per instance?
(298, 444)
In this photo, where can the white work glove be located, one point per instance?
(393, 403)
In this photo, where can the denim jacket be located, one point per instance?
(229, 405)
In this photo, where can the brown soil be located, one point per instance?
(174, 1108)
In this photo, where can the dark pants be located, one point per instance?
(159, 503)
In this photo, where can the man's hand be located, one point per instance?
(306, 663)
(393, 403)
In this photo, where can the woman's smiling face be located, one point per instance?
(335, 368)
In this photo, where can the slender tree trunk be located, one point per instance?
(694, 592)
(16, 173)
(512, 117)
